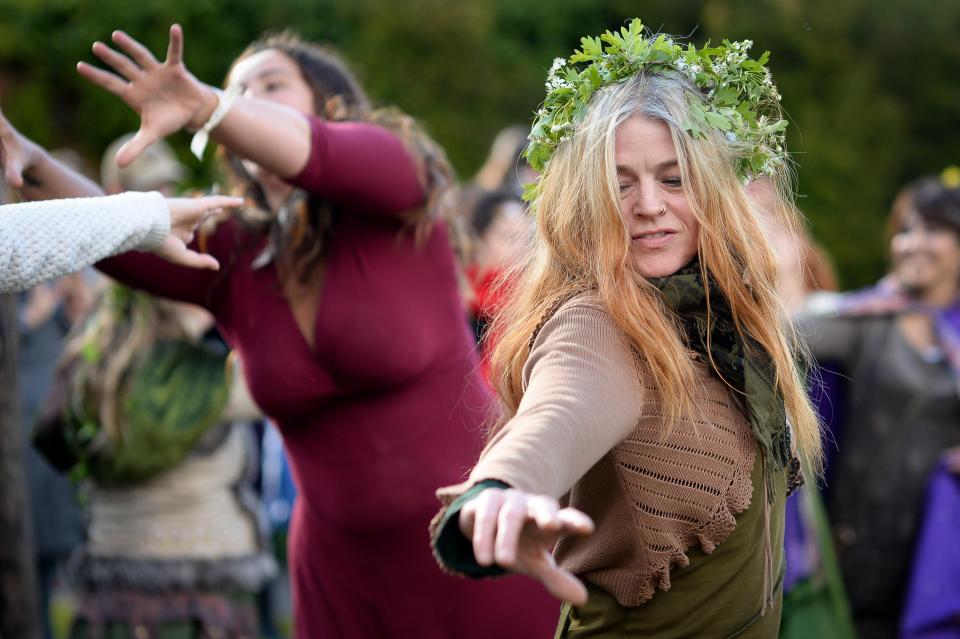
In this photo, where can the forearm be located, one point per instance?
(47, 179)
(274, 136)
(44, 240)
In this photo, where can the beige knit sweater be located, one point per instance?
(590, 431)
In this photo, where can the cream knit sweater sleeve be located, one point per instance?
(582, 397)
(43, 240)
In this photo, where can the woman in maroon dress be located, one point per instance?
(344, 306)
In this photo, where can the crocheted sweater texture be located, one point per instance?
(40, 241)
(590, 431)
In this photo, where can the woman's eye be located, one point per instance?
(624, 186)
(673, 182)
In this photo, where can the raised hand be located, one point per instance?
(186, 214)
(518, 530)
(166, 96)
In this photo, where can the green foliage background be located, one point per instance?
(872, 87)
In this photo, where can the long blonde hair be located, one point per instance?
(582, 244)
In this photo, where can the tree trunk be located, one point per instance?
(19, 608)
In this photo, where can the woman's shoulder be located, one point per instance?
(582, 322)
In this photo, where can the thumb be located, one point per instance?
(12, 175)
(193, 259)
(132, 149)
(561, 583)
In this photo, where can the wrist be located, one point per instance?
(208, 104)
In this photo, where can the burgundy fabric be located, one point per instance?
(386, 407)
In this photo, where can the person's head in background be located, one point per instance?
(924, 231)
(156, 169)
(502, 228)
(506, 168)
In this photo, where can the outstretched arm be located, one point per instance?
(582, 397)
(43, 240)
(28, 167)
(348, 162)
(167, 97)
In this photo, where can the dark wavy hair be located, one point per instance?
(937, 204)
(301, 239)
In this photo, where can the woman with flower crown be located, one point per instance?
(654, 415)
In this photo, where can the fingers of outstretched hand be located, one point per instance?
(187, 213)
(510, 523)
(175, 48)
(135, 146)
(104, 79)
(135, 50)
(575, 522)
(485, 513)
(175, 251)
(559, 582)
(119, 62)
(543, 510)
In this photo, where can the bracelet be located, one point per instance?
(225, 101)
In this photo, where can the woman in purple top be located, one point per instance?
(340, 293)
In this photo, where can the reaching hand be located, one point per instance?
(165, 95)
(517, 530)
(186, 214)
(18, 153)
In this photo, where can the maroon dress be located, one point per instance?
(387, 406)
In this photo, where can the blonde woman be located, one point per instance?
(654, 416)
(143, 412)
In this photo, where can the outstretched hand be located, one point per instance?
(166, 96)
(186, 214)
(518, 530)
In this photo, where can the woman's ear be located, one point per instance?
(335, 108)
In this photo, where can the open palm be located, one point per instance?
(166, 96)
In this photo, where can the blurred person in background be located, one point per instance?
(142, 413)
(502, 229)
(46, 314)
(506, 168)
(814, 601)
(340, 292)
(156, 169)
(898, 343)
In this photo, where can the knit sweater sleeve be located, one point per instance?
(582, 396)
(44, 240)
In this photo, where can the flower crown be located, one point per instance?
(740, 98)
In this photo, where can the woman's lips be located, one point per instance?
(654, 239)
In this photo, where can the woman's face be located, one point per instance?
(506, 238)
(663, 230)
(272, 75)
(926, 258)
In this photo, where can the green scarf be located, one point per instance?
(746, 366)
